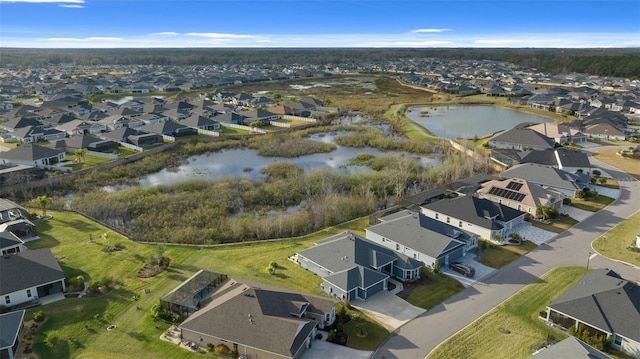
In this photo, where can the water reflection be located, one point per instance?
(469, 121)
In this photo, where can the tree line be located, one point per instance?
(619, 62)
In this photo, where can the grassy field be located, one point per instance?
(616, 242)
(363, 332)
(628, 165)
(89, 161)
(558, 225)
(484, 338)
(80, 324)
(439, 288)
(592, 205)
(500, 256)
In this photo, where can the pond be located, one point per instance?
(462, 121)
(248, 163)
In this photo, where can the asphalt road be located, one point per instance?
(419, 337)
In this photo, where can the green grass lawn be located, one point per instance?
(438, 288)
(81, 323)
(518, 314)
(592, 205)
(500, 256)
(616, 242)
(363, 332)
(558, 225)
(628, 165)
(89, 161)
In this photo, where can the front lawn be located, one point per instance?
(628, 165)
(557, 225)
(499, 256)
(618, 242)
(431, 290)
(80, 324)
(592, 205)
(513, 328)
(363, 332)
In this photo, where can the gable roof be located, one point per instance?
(355, 277)
(258, 318)
(478, 211)
(558, 157)
(419, 233)
(570, 347)
(29, 152)
(520, 191)
(28, 269)
(8, 239)
(10, 324)
(545, 175)
(604, 300)
(525, 137)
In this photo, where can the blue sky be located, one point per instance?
(317, 23)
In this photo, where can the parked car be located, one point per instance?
(464, 269)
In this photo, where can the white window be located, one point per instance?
(448, 220)
(397, 247)
(436, 216)
(7, 299)
(459, 223)
(28, 293)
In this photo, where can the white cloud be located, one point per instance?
(216, 35)
(72, 6)
(164, 33)
(423, 31)
(422, 43)
(85, 39)
(46, 1)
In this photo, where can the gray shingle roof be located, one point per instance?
(543, 175)
(258, 318)
(475, 210)
(28, 269)
(525, 137)
(10, 324)
(419, 233)
(570, 348)
(355, 277)
(29, 152)
(604, 300)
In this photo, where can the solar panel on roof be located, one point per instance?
(514, 186)
(508, 194)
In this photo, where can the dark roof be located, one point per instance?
(544, 175)
(164, 127)
(423, 197)
(8, 239)
(570, 347)
(195, 121)
(258, 318)
(604, 300)
(550, 157)
(355, 277)
(525, 137)
(478, 211)
(420, 233)
(10, 324)
(29, 152)
(185, 292)
(28, 269)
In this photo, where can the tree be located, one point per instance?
(43, 202)
(271, 268)
(80, 154)
(602, 180)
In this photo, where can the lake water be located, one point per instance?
(469, 121)
(247, 163)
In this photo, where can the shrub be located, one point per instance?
(38, 316)
(566, 201)
(222, 350)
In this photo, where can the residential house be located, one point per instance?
(10, 243)
(77, 127)
(86, 141)
(258, 322)
(230, 118)
(569, 184)
(570, 347)
(521, 138)
(603, 304)
(30, 276)
(489, 220)
(126, 135)
(33, 134)
(568, 160)
(11, 330)
(14, 123)
(33, 155)
(421, 238)
(521, 195)
(559, 133)
(200, 123)
(353, 267)
(254, 115)
(170, 128)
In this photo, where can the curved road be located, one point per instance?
(419, 337)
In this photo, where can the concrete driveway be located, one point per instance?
(576, 213)
(481, 270)
(534, 234)
(321, 349)
(388, 309)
